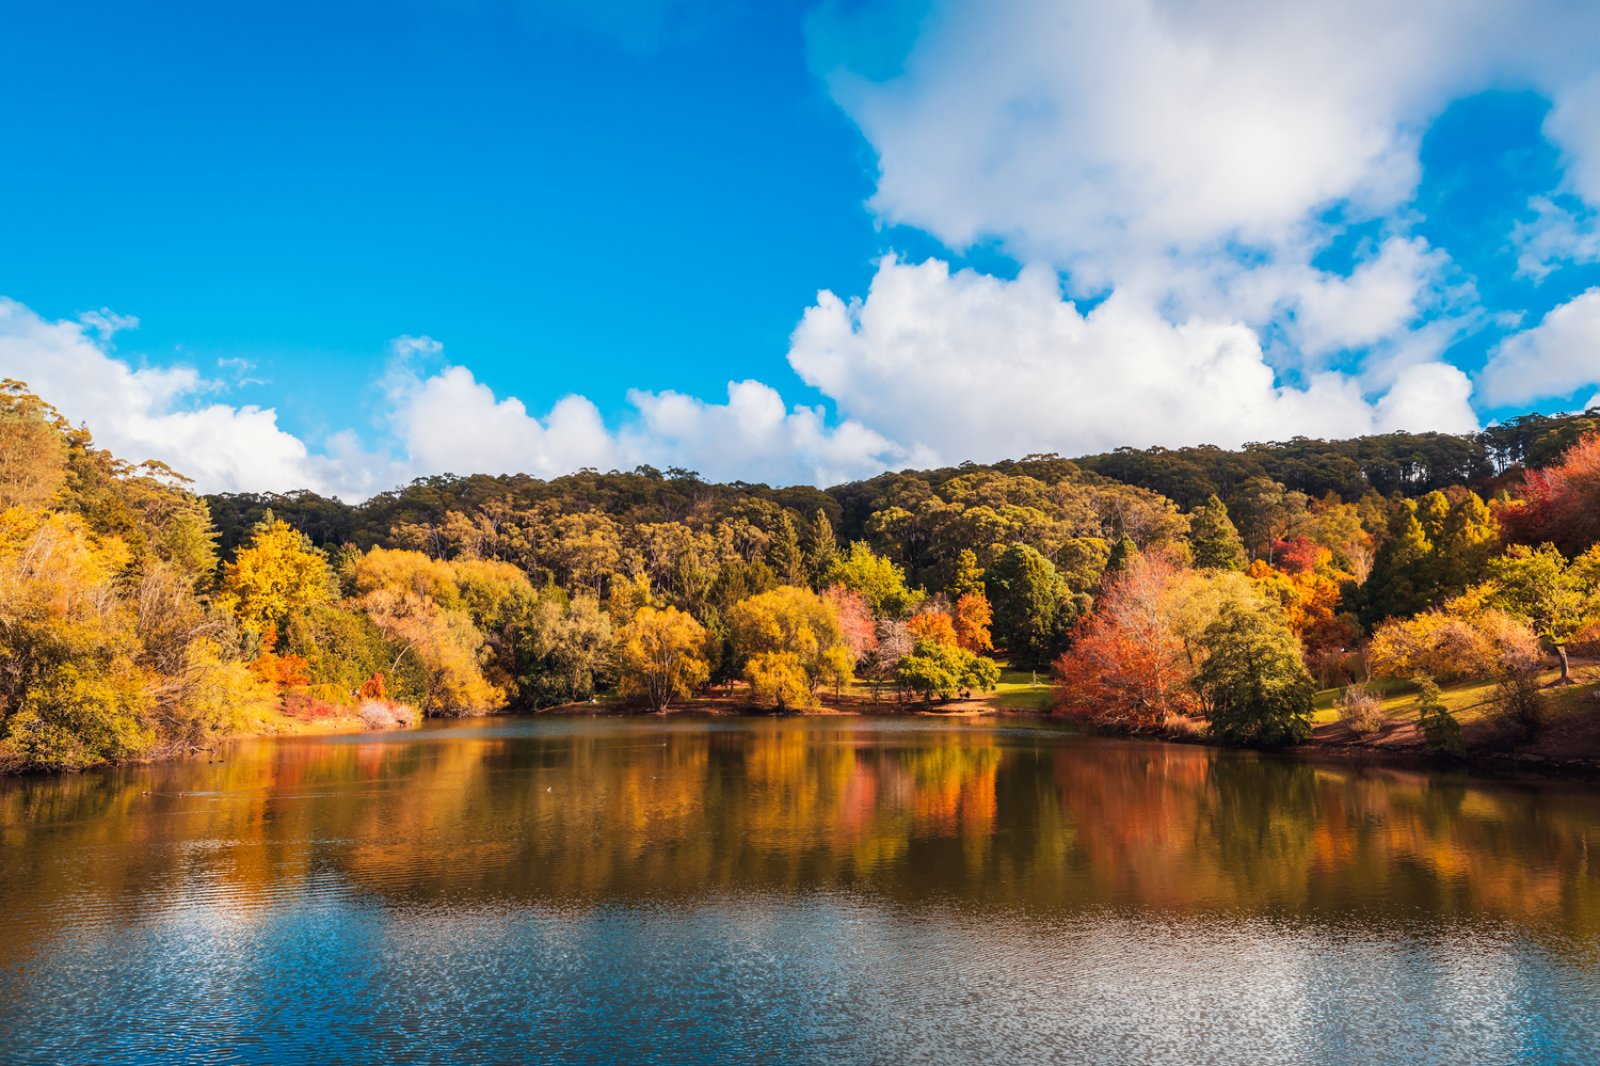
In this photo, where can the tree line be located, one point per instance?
(139, 618)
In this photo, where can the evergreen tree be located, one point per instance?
(822, 548)
(968, 579)
(1033, 608)
(783, 553)
(1213, 540)
(1121, 552)
(1254, 679)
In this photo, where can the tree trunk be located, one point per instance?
(1566, 668)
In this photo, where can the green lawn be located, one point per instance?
(1468, 701)
(1020, 690)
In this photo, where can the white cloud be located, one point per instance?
(967, 366)
(1197, 156)
(150, 413)
(438, 418)
(1557, 357)
(1112, 139)
(755, 435)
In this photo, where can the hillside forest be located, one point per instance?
(1219, 587)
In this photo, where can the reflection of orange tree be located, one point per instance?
(679, 812)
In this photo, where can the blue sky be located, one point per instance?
(364, 242)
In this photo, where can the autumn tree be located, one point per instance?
(856, 624)
(1464, 640)
(779, 678)
(973, 618)
(661, 656)
(1128, 665)
(33, 449)
(792, 621)
(1561, 503)
(1559, 599)
(275, 575)
(935, 625)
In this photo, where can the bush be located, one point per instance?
(1440, 730)
(1361, 710)
(382, 714)
(1519, 701)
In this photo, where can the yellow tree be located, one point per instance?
(791, 621)
(661, 656)
(276, 575)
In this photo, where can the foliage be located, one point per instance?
(1033, 608)
(1559, 599)
(933, 625)
(661, 656)
(938, 670)
(1128, 665)
(790, 621)
(1520, 702)
(1214, 543)
(879, 581)
(1253, 681)
(1361, 709)
(780, 679)
(1440, 730)
(1560, 504)
(973, 618)
(560, 647)
(278, 574)
(1459, 642)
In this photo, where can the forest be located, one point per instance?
(1224, 590)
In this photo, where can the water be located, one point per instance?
(816, 890)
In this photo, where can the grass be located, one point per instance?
(1022, 690)
(1469, 701)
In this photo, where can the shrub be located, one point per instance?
(1361, 710)
(1440, 730)
(1519, 701)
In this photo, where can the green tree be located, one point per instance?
(1213, 540)
(784, 555)
(1121, 552)
(1440, 730)
(1253, 680)
(936, 670)
(1558, 598)
(1033, 608)
(822, 548)
(876, 578)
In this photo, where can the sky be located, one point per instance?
(337, 246)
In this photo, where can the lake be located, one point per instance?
(798, 890)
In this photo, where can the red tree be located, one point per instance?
(1561, 503)
(1127, 665)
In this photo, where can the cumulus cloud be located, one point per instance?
(756, 431)
(151, 413)
(968, 366)
(1558, 357)
(435, 417)
(1111, 139)
(1199, 157)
